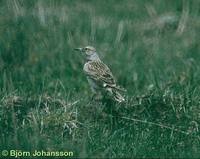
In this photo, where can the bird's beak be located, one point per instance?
(78, 49)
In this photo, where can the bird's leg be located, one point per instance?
(94, 93)
(93, 96)
(97, 96)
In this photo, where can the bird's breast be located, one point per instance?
(85, 68)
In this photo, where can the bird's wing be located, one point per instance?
(100, 72)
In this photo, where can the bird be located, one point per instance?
(99, 76)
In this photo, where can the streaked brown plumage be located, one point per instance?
(99, 75)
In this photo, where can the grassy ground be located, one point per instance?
(152, 47)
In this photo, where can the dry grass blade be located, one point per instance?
(184, 18)
(156, 124)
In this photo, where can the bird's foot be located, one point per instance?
(96, 97)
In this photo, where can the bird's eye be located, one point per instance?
(86, 49)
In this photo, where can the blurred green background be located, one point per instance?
(151, 46)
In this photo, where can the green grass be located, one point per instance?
(153, 50)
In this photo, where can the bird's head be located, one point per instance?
(90, 52)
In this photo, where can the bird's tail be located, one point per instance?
(117, 96)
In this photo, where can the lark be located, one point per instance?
(99, 76)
